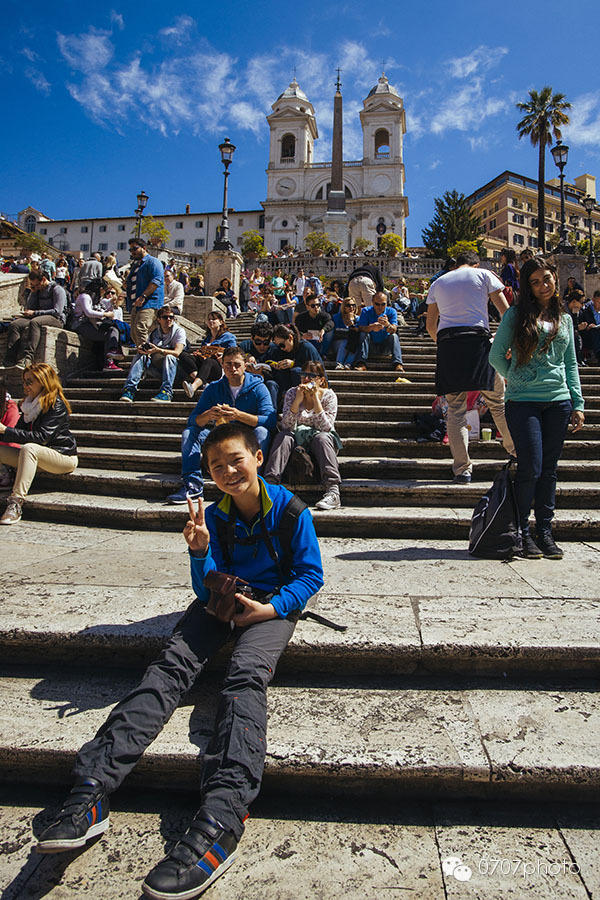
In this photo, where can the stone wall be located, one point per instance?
(196, 309)
(9, 294)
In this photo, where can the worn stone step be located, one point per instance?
(354, 491)
(408, 521)
(467, 740)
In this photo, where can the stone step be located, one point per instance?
(408, 521)
(457, 740)
(152, 461)
(354, 492)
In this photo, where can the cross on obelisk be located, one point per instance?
(338, 84)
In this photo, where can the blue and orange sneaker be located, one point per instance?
(83, 816)
(204, 852)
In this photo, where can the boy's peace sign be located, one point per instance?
(195, 532)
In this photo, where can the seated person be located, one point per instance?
(45, 305)
(378, 326)
(225, 294)
(160, 352)
(284, 573)
(236, 397)
(174, 293)
(345, 337)
(308, 421)
(575, 308)
(204, 365)
(591, 333)
(290, 357)
(9, 416)
(260, 350)
(94, 323)
(315, 325)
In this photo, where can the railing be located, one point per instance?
(342, 266)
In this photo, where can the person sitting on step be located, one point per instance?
(291, 356)
(260, 349)
(225, 294)
(315, 325)
(281, 561)
(45, 305)
(94, 322)
(202, 366)
(236, 397)
(308, 421)
(378, 326)
(160, 352)
(41, 434)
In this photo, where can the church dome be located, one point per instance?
(383, 87)
(293, 91)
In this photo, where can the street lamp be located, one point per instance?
(589, 204)
(222, 242)
(142, 199)
(560, 154)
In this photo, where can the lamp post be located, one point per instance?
(142, 199)
(560, 155)
(222, 242)
(589, 204)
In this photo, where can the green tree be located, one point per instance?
(319, 242)
(252, 244)
(391, 244)
(463, 247)
(545, 113)
(155, 230)
(361, 244)
(31, 243)
(453, 221)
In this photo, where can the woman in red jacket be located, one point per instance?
(9, 416)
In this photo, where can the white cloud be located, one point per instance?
(117, 19)
(86, 52)
(480, 60)
(435, 164)
(584, 127)
(466, 109)
(29, 54)
(38, 80)
(478, 143)
(180, 30)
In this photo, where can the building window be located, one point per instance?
(84, 229)
(518, 239)
(103, 247)
(240, 241)
(101, 227)
(180, 244)
(533, 242)
(43, 231)
(121, 245)
(288, 146)
(30, 223)
(491, 224)
(261, 221)
(199, 224)
(120, 228)
(178, 224)
(382, 144)
(240, 222)
(549, 228)
(519, 218)
(51, 241)
(529, 207)
(516, 202)
(62, 230)
(587, 223)
(84, 247)
(484, 214)
(596, 226)
(495, 207)
(534, 222)
(199, 242)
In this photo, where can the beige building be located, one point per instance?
(507, 210)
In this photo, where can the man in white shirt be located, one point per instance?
(174, 294)
(458, 322)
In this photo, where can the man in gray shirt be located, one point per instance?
(46, 305)
(90, 270)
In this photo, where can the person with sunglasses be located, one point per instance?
(260, 349)
(315, 325)
(95, 321)
(160, 352)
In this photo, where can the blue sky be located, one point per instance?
(102, 100)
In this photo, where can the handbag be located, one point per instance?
(495, 532)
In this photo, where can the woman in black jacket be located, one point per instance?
(43, 433)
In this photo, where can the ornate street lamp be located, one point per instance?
(560, 155)
(222, 241)
(142, 199)
(589, 204)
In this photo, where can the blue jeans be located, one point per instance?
(167, 368)
(192, 440)
(390, 345)
(342, 354)
(538, 431)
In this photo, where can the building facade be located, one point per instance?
(297, 189)
(507, 210)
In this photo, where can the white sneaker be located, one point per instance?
(188, 389)
(331, 499)
(339, 365)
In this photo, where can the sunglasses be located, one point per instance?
(262, 342)
(314, 305)
(167, 317)
(280, 346)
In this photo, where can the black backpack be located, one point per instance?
(300, 468)
(495, 532)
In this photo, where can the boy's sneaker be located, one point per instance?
(109, 366)
(83, 816)
(203, 853)
(162, 397)
(546, 544)
(530, 548)
(331, 499)
(185, 491)
(127, 396)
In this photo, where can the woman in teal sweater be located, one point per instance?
(534, 349)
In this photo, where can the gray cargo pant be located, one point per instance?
(234, 760)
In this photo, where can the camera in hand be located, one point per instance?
(146, 345)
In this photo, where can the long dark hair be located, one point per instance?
(528, 312)
(3, 399)
(287, 331)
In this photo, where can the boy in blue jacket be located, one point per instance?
(251, 514)
(236, 397)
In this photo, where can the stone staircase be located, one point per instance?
(456, 677)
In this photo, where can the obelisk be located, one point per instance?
(336, 221)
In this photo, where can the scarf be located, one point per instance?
(30, 409)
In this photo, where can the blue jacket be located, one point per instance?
(227, 339)
(253, 398)
(253, 563)
(150, 270)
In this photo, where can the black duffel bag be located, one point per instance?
(495, 532)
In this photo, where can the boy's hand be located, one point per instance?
(253, 611)
(195, 532)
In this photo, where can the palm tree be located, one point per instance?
(544, 116)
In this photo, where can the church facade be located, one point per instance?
(297, 189)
